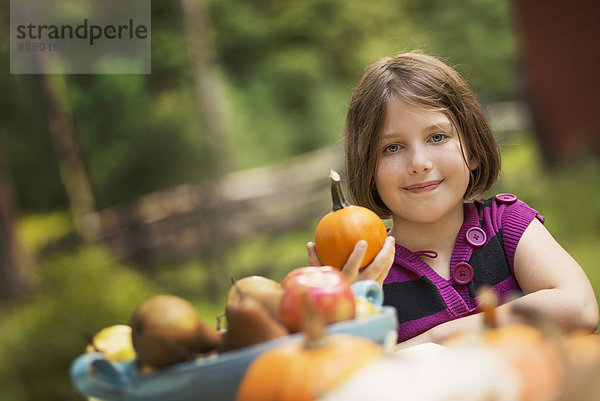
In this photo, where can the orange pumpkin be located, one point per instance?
(304, 372)
(533, 357)
(533, 353)
(338, 232)
(582, 351)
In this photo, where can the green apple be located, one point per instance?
(114, 342)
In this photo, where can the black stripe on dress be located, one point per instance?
(490, 265)
(413, 299)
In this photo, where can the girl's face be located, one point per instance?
(421, 174)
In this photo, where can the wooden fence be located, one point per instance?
(182, 222)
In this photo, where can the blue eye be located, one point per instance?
(392, 148)
(438, 137)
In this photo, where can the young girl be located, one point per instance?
(419, 150)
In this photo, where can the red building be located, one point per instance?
(560, 51)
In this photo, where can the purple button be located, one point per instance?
(462, 273)
(476, 236)
(507, 199)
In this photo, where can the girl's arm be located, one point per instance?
(551, 280)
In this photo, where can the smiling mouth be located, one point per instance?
(424, 186)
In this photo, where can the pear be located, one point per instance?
(114, 342)
(166, 329)
(266, 291)
(248, 323)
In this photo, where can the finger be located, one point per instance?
(313, 258)
(353, 263)
(389, 257)
(384, 260)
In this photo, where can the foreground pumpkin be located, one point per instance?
(531, 351)
(533, 357)
(582, 351)
(306, 369)
(338, 231)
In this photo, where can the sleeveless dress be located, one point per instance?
(483, 255)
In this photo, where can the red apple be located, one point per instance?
(327, 290)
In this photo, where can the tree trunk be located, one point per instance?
(72, 168)
(210, 103)
(12, 264)
(207, 76)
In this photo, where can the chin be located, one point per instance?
(418, 218)
(426, 213)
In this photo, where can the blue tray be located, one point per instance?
(211, 378)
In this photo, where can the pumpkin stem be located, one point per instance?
(313, 325)
(488, 301)
(337, 195)
(220, 321)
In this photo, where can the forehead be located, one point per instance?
(401, 115)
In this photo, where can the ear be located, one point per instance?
(473, 164)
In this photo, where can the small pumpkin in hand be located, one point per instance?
(338, 231)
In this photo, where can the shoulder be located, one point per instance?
(506, 211)
(509, 215)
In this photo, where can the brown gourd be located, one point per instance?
(248, 323)
(266, 291)
(338, 231)
(166, 329)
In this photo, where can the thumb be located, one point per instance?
(313, 258)
(353, 263)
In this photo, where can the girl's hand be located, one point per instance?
(377, 270)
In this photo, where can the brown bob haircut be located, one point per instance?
(424, 81)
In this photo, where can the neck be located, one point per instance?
(439, 236)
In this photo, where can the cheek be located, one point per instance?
(383, 175)
(452, 157)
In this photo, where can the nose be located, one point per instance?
(419, 161)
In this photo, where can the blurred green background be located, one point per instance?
(285, 71)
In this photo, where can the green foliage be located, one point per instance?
(269, 256)
(288, 69)
(77, 292)
(129, 154)
(475, 35)
(36, 231)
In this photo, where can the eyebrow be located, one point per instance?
(446, 126)
(443, 125)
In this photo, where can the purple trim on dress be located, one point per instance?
(415, 327)
(508, 289)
